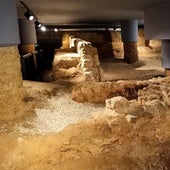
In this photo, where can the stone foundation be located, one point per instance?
(98, 92)
(66, 60)
(80, 57)
(111, 45)
(12, 93)
(89, 61)
(130, 52)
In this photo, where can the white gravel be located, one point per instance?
(61, 112)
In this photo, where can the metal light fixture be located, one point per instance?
(43, 28)
(31, 16)
(56, 29)
(28, 15)
(37, 24)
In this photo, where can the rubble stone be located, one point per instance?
(117, 103)
(131, 118)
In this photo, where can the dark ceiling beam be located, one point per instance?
(85, 25)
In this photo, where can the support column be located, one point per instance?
(166, 56)
(27, 36)
(157, 27)
(129, 30)
(12, 93)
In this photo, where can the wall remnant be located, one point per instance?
(89, 61)
(109, 44)
(98, 92)
(12, 93)
(82, 51)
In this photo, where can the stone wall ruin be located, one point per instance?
(12, 94)
(81, 54)
(109, 43)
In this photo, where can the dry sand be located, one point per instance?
(99, 138)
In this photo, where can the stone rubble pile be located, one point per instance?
(66, 60)
(156, 97)
(153, 100)
(158, 91)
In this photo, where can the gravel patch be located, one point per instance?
(61, 111)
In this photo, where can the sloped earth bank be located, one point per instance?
(137, 137)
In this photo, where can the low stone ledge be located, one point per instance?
(66, 60)
(98, 92)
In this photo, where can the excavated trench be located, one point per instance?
(64, 134)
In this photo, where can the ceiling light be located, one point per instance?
(118, 29)
(55, 29)
(28, 15)
(110, 29)
(37, 24)
(43, 28)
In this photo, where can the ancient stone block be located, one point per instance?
(66, 60)
(88, 76)
(87, 63)
(118, 103)
(131, 118)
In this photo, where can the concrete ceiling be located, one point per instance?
(70, 12)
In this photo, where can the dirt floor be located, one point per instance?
(66, 135)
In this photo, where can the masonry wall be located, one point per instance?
(12, 93)
(108, 43)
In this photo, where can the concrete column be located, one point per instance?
(27, 36)
(9, 25)
(157, 27)
(12, 93)
(129, 31)
(166, 56)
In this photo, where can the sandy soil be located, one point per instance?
(142, 70)
(67, 135)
